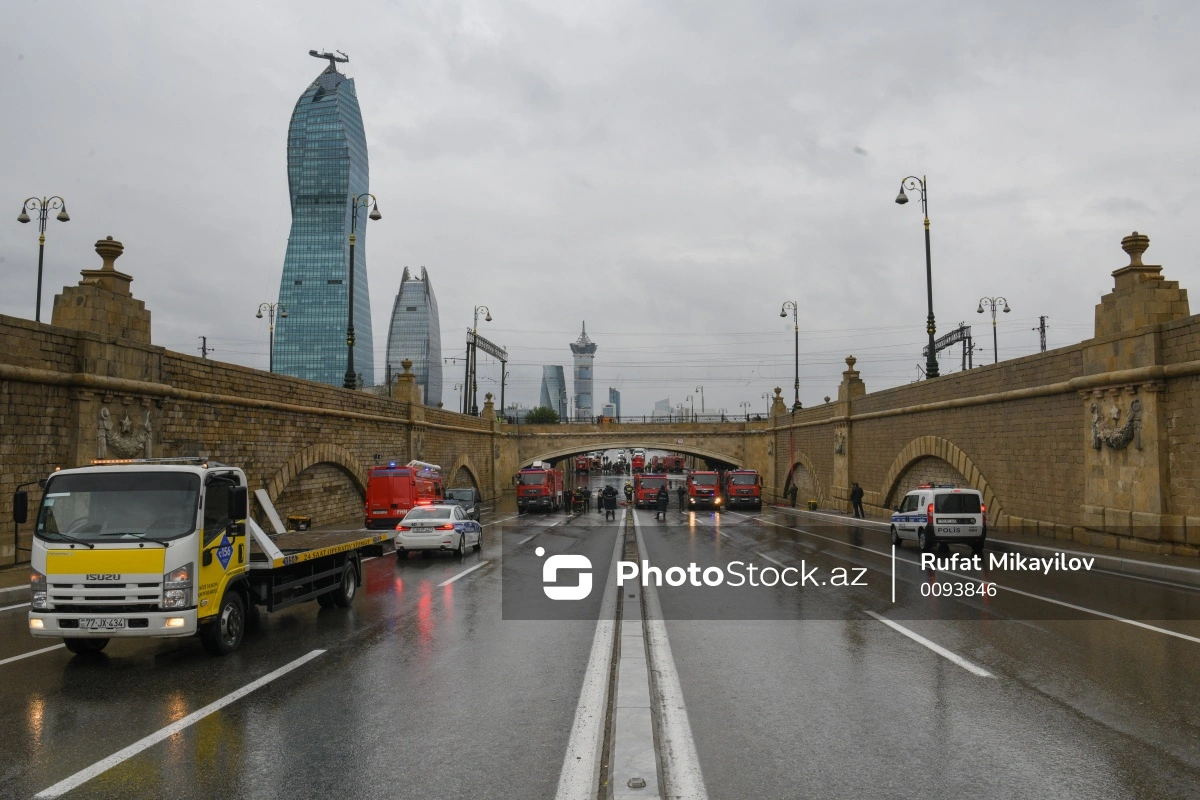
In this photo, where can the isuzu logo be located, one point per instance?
(98, 576)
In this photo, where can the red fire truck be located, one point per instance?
(645, 488)
(743, 487)
(639, 461)
(582, 463)
(656, 464)
(704, 489)
(393, 490)
(539, 488)
(672, 462)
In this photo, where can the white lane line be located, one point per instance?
(682, 778)
(30, 653)
(85, 775)
(468, 571)
(772, 560)
(498, 521)
(11, 608)
(580, 775)
(369, 558)
(975, 669)
(526, 539)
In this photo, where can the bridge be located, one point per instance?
(1086, 443)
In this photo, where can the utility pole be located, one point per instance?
(1041, 329)
(204, 348)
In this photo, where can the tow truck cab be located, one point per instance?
(743, 487)
(704, 489)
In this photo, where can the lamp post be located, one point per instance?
(913, 183)
(363, 201)
(796, 326)
(503, 380)
(992, 302)
(700, 389)
(43, 207)
(471, 356)
(745, 404)
(270, 309)
(458, 388)
(692, 412)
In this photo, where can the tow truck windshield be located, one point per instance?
(102, 506)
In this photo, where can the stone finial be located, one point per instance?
(778, 407)
(851, 385)
(850, 362)
(489, 408)
(826, 398)
(407, 364)
(488, 397)
(109, 250)
(1135, 244)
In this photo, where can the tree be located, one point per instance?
(541, 415)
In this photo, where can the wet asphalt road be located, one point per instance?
(426, 691)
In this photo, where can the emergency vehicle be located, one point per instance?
(639, 461)
(393, 491)
(145, 548)
(583, 463)
(934, 514)
(539, 488)
(704, 489)
(672, 462)
(645, 489)
(743, 487)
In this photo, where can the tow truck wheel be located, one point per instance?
(224, 634)
(925, 540)
(85, 645)
(895, 536)
(344, 596)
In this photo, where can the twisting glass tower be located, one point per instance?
(584, 350)
(327, 165)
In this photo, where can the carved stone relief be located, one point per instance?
(1117, 435)
(124, 439)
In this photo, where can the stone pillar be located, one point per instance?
(851, 387)
(778, 407)
(102, 302)
(405, 388)
(489, 408)
(1124, 424)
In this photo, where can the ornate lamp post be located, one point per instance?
(796, 325)
(700, 389)
(471, 356)
(992, 303)
(458, 388)
(43, 206)
(913, 183)
(357, 204)
(270, 309)
(745, 404)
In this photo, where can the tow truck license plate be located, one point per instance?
(101, 623)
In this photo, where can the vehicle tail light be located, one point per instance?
(929, 513)
(982, 508)
(424, 502)
(449, 526)
(403, 528)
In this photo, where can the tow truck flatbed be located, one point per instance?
(298, 546)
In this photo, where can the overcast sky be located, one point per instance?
(670, 172)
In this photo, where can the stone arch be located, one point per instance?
(817, 490)
(463, 464)
(311, 456)
(618, 444)
(936, 447)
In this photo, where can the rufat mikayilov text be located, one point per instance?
(1007, 562)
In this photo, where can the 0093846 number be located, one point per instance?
(947, 589)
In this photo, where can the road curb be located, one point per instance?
(1186, 576)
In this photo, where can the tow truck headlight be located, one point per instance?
(177, 587)
(37, 588)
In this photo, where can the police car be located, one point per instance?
(933, 514)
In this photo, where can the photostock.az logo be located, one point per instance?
(564, 562)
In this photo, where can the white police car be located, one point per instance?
(942, 513)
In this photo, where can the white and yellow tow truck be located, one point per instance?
(167, 548)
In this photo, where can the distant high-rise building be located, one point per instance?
(584, 350)
(554, 390)
(614, 399)
(662, 409)
(327, 165)
(416, 334)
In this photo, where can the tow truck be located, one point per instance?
(146, 548)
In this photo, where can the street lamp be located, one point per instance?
(913, 183)
(43, 207)
(471, 356)
(796, 325)
(458, 388)
(270, 309)
(992, 302)
(692, 412)
(700, 389)
(503, 380)
(363, 201)
(745, 404)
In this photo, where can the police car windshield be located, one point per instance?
(106, 506)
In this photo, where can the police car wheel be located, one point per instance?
(479, 541)
(461, 550)
(401, 554)
(925, 539)
(895, 536)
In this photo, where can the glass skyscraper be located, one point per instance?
(554, 390)
(416, 334)
(327, 165)
(584, 350)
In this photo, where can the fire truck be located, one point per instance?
(393, 491)
(539, 488)
(672, 462)
(165, 548)
(743, 487)
(704, 489)
(583, 464)
(645, 488)
(656, 464)
(639, 461)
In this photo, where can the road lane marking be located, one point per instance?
(682, 778)
(974, 669)
(498, 521)
(369, 558)
(526, 539)
(11, 659)
(467, 571)
(12, 608)
(102, 766)
(772, 560)
(1043, 598)
(580, 775)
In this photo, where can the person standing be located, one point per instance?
(791, 493)
(681, 492)
(600, 500)
(661, 503)
(568, 501)
(856, 496)
(610, 502)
